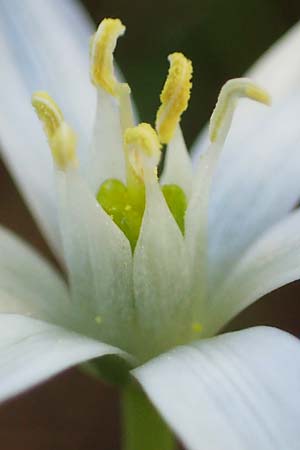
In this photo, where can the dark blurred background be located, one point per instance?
(223, 38)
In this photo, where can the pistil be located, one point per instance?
(126, 204)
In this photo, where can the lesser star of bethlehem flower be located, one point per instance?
(136, 251)
(152, 221)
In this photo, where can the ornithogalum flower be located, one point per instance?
(154, 271)
(149, 238)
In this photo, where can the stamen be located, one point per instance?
(62, 139)
(48, 112)
(103, 44)
(174, 96)
(126, 113)
(143, 150)
(219, 127)
(63, 146)
(233, 90)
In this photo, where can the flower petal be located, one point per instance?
(271, 262)
(278, 66)
(28, 284)
(178, 166)
(160, 273)
(99, 260)
(257, 180)
(52, 54)
(31, 351)
(44, 45)
(236, 391)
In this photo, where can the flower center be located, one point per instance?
(126, 203)
(114, 198)
(142, 144)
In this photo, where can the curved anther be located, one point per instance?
(231, 91)
(61, 138)
(174, 96)
(103, 44)
(143, 149)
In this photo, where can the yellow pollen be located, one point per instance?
(197, 327)
(174, 96)
(102, 46)
(230, 93)
(145, 137)
(61, 137)
(48, 112)
(143, 148)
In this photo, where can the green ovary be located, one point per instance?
(177, 203)
(127, 210)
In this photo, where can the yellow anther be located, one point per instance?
(142, 148)
(174, 96)
(145, 137)
(103, 44)
(197, 327)
(63, 146)
(48, 112)
(61, 138)
(231, 91)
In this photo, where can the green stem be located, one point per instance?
(143, 428)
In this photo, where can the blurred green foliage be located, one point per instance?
(222, 37)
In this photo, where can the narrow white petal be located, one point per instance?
(26, 153)
(32, 351)
(160, 273)
(49, 43)
(239, 391)
(273, 261)
(44, 45)
(279, 66)
(178, 167)
(99, 260)
(28, 284)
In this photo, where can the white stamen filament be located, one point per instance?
(219, 126)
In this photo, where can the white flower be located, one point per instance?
(153, 295)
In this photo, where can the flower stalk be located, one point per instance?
(143, 428)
